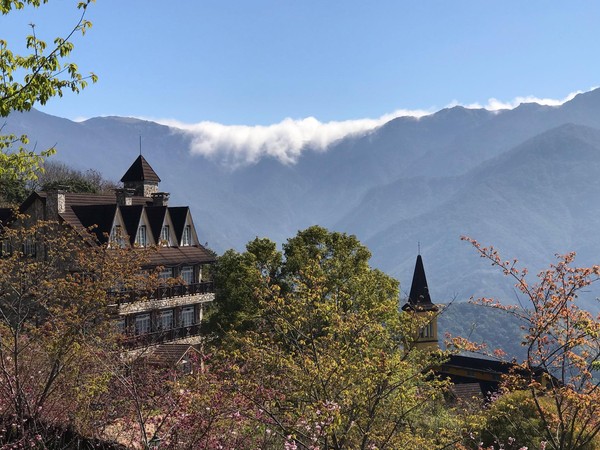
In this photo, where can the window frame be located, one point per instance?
(186, 237)
(141, 237)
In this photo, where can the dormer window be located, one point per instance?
(116, 236)
(140, 238)
(164, 235)
(186, 239)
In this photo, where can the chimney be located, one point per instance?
(55, 203)
(160, 199)
(124, 196)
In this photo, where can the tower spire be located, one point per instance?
(419, 302)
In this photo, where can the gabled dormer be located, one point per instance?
(118, 232)
(97, 218)
(162, 226)
(141, 178)
(419, 302)
(137, 225)
(185, 232)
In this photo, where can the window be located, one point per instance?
(140, 238)
(164, 235)
(187, 273)
(165, 320)
(165, 274)
(187, 316)
(116, 236)
(142, 324)
(426, 331)
(6, 247)
(28, 247)
(186, 239)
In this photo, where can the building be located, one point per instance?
(139, 215)
(472, 377)
(419, 302)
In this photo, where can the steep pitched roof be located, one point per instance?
(98, 216)
(419, 291)
(131, 219)
(169, 355)
(156, 217)
(140, 170)
(178, 215)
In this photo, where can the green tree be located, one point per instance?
(327, 358)
(33, 78)
(236, 277)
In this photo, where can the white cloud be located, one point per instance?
(493, 104)
(238, 145)
(245, 144)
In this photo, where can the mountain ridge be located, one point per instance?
(524, 179)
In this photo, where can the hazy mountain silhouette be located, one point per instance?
(525, 180)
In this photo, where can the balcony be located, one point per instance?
(160, 337)
(162, 293)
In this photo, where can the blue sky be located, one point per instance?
(258, 62)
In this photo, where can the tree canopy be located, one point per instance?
(33, 78)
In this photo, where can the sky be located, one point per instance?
(281, 72)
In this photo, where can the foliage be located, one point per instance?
(236, 277)
(53, 308)
(327, 356)
(12, 191)
(34, 78)
(562, 345)
(57, 175)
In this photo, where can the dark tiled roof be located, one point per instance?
(419, 291)
(30, 199)
(140, 170)
(175, 256)
(178, 215)
(483, 364)
(131, 218)
(169, 355)
(156, 217)
(467, 393)
(98, 216)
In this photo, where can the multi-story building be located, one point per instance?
(139, 215)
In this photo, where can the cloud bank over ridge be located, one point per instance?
(239, 145)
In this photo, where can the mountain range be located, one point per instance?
(526, 180)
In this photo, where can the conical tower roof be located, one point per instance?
(140, 170)
(419, 297)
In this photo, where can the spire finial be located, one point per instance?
(140, 145)
(418, 247)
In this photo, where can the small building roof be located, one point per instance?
(419, 297)
(169, 355)
(140, 170)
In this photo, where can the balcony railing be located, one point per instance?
(162, 292)
(160, 337)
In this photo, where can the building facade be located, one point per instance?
(139, 215)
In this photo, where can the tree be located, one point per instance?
(54, 310)
(31, 79)
(327, 358)
(57, 175)
(562, 341)
(236, 277)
